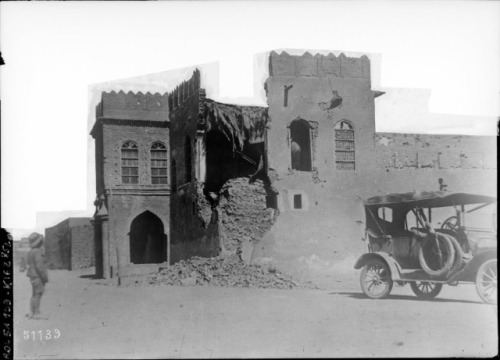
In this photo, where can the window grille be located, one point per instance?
(130, 163)
(345, 158)
(159, 163)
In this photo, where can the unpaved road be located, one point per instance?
(102, 321)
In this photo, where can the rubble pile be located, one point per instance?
(243, 213)
(228, 271)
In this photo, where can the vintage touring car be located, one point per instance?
(404, 247)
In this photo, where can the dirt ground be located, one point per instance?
(103, 321)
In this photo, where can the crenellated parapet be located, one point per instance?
(184, 90)
(319, 65)
(133, 106)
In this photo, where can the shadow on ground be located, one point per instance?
(356, 295)
(89, 276)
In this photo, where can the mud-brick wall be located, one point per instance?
(70, 244)
(57, 246)
(313, 82)
(82, 245)
(244, 216)
(323, 236)
(419, 151)
(191, 234)
(183, 127)
(319, 65)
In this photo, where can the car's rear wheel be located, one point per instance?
(376, 279)
(425, 289)
(486, 281)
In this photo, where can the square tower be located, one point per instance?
(132, 216)
(322, 111)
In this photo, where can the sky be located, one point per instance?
(58, 53)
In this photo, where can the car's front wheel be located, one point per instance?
(426, 290)
(376, 279)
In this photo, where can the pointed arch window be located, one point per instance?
(187, 159)
(130, 163)
(159, 163)
(345, 158)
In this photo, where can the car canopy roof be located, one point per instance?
(431, 199)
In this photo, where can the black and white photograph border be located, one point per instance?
(250, 179)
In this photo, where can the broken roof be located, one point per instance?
(237, 123)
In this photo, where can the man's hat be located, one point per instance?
(35, 239)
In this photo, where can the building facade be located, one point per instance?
(310, 158)
(132, 181)
(326, 157)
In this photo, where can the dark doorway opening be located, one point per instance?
(224, 162)
(148, 242)
(300, 134)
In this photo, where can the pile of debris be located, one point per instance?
(228, 271)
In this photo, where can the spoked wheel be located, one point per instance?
(486, 281)
(426, 290)
(376, 279)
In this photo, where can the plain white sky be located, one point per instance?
(55, 50)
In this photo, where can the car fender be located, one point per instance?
(393, 265)
(468, 273)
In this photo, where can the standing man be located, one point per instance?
(37, 272)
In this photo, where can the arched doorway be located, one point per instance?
(148, 241)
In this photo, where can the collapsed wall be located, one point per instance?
(244, 216)
(240, 211)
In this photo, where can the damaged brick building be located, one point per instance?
(212, 143)
(281, 185)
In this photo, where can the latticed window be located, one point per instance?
(130, 163)
(159, 163)
(344, 146)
